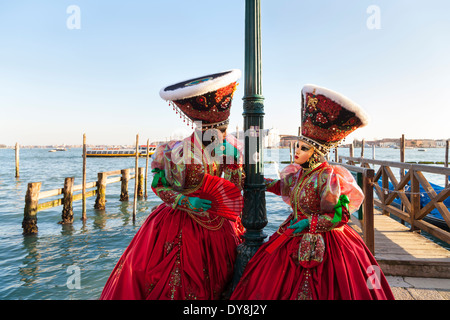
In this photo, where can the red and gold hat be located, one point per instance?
(206, 99)
(328, 117)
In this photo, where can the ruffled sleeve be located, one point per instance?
(162, 154)
(167, 174)
(338, 182)
(341, 182)
(283, 186)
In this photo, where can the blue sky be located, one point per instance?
(104, 79)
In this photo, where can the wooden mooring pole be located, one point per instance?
(17, 160)
(100, 202)
(352, 152)
(124, 186)
(136, 179)
(29, 223)
(402, 154)
(402, 171)
(67, 212)
(446, 160)
(146, 169)
(363, 142)
(415, 200)
(368, 225)
(83, 205)
(140, 178)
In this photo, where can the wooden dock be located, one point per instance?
(400, 249)
(402, 252)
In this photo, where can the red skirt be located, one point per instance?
(348, 271)
(175, 256)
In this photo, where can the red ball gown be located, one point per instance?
(326, 261)
(178, 254)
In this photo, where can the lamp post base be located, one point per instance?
(245, 251)
(254, 219)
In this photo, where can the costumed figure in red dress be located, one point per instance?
(186, 248)
(315, 255)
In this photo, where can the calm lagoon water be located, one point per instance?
(74, 261)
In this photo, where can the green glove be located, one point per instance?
(299, 226)
(342, 202)
(195, 204)
(159, 175)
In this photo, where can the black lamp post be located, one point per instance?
(254, 216)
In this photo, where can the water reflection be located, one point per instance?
(31, 262)
(100, 218)
(126, 209)
(67, 229)
(19, 188)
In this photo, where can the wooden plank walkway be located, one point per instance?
(400, 252)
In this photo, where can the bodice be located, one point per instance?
(305, 197)
(195, 172)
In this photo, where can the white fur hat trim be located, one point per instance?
(339, 99)
(201, 86)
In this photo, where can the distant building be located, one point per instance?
(409, 143)
(271, 138)
(286, 140)
(441, 143)
(388, 143)
(420, 143)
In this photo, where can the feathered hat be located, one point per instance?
(206, 99)
(328, 117)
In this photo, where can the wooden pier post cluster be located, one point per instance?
(33, 195)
